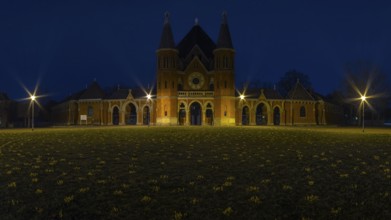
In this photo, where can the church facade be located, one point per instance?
(195, 86)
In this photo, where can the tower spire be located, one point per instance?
(224, 40)
(167, 38)
(166, 17)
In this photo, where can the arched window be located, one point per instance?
(225, 62)
(302, 111)
(90, 111)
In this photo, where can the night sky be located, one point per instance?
(67, 44)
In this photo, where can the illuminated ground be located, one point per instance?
(195, 173)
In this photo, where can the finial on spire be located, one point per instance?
(224, 17)
(166, 17)
(297, 80)
(196, 21)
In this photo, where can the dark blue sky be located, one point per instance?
(67, 44)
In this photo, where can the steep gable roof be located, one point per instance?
(299, 92)
(118, 94)
(94, 91)
(136, 93)
(196, 36)
(272, 94)
(267, 92)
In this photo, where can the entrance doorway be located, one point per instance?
(131, 114)
(276, 116)
(195, 114)
(209, 114)
(261, 114)
(115, 116)
(182, 114)
(245, 116)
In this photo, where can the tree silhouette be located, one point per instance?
(288, 81)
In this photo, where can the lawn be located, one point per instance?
(195, 173)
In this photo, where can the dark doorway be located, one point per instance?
(131, 114)
(261, 114)
(276, 116)
(146, 116)
(115, 116)
(245, 116)
(209, 116)
(195, 114)
(182, 117)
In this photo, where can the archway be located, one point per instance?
(261, 114)
(276, 116)
(182, 114)
(209, 114)
(245, 115)
(195, 113)
(130, 114)
(146, 115)
(115, 116)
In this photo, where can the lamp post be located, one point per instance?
(32, 112)
(363, 98)
(242, 97)
(149, 113)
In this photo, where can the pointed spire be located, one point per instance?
(196, 21)
(167, 38)
(224, 40)
(166, 17)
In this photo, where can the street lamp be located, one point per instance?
(363, 98)
(32, 113)
(242, 97)
(149, 113)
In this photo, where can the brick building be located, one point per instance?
(195, 86)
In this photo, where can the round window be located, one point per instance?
(196, 81)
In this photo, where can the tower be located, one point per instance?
(167, 65)
(224, 89)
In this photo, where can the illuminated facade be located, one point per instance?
(195, 86)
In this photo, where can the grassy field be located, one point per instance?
(195, 173)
